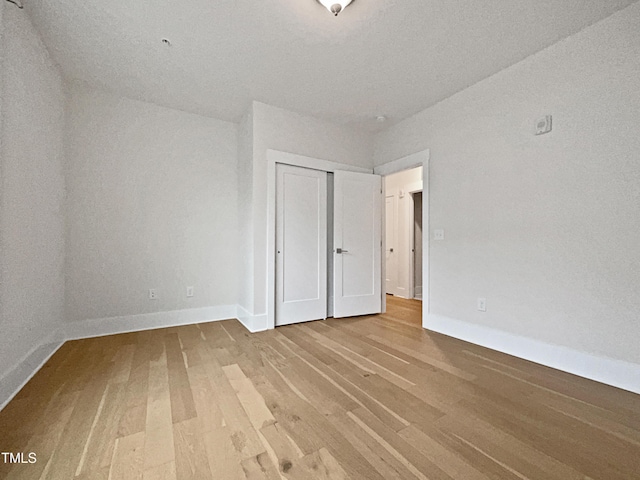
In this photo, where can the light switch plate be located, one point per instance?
(482, 304)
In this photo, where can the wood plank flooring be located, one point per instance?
(372, 397)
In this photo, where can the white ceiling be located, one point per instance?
(391, 58)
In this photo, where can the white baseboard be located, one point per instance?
(618, 373)
(99, 327)
(253, 323)
(13, 380)
(613, 372)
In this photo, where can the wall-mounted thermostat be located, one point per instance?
(543, 125)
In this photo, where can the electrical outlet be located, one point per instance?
(482, 304)
(438, 234)
(189, 291)
(153, 294)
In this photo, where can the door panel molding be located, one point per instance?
(358, 233)
(301, 243)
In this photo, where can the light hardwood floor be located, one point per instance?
(366, 398)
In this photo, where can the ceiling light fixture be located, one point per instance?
(335, 6)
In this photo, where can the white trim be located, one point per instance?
(617, 373)
(412, 189)
(404, 163)
(17, 377)
(383, 249)
(273, 157)
(99, 327)
(277, 156)
(426, 236)
(253, 323)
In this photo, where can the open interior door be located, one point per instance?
(357, 244)
(391, 256)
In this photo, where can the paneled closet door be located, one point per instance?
(301, 244)
(357, 243)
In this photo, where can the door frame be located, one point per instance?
(412, 239)
(405, 163)
(273, 157)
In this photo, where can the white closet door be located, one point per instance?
(357, 244)
(301, 245)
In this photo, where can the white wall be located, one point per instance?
(400, 266)
(152, 203)
(245, 213)
(546, 227)
(278, 129)
(31, 199)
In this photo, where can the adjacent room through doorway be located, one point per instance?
(403, 233)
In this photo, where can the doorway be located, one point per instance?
(403, 233)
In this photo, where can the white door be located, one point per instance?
(391, 227)
(301, 245)
(357, 243)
